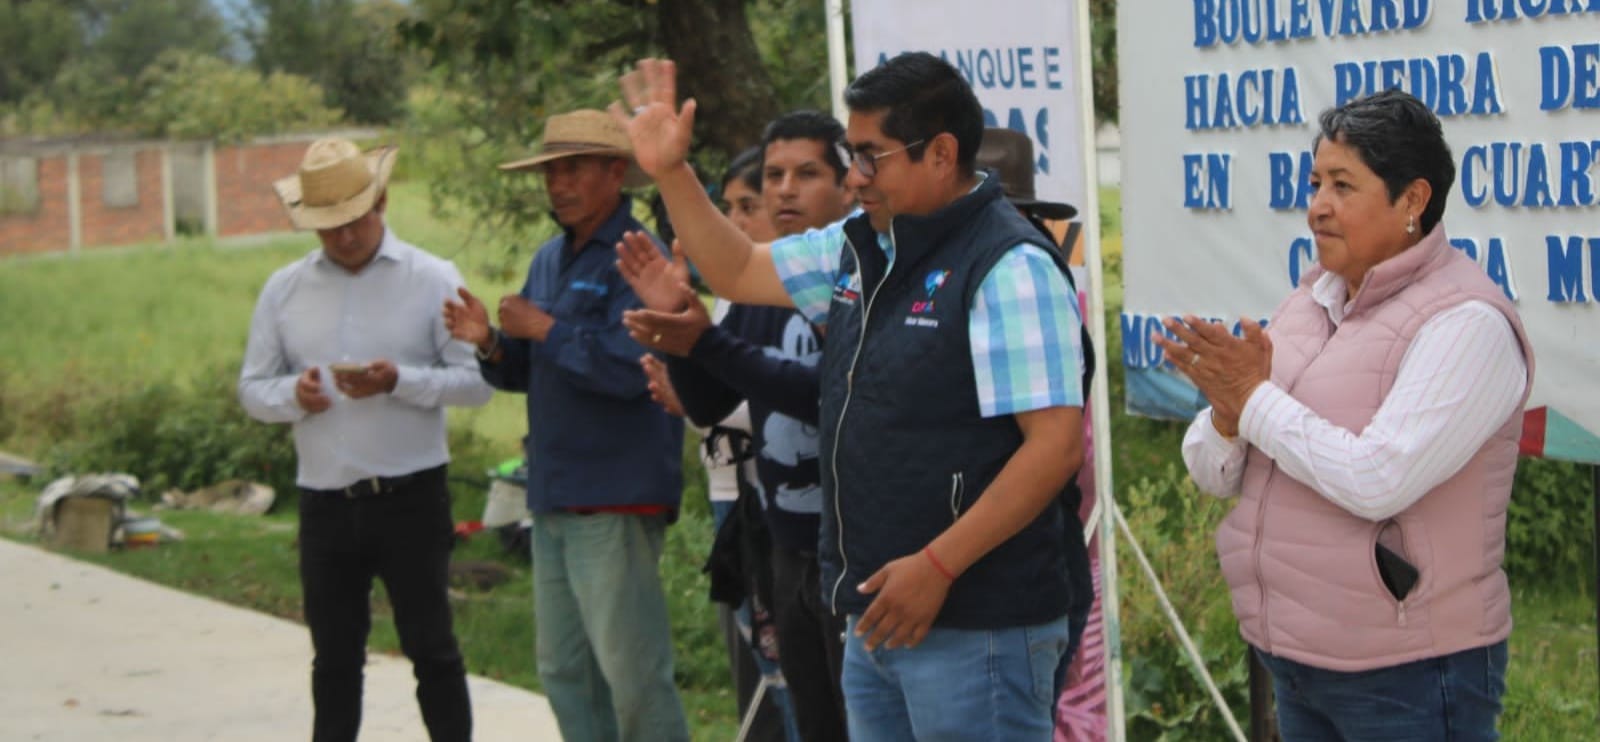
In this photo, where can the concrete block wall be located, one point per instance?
(48, 228)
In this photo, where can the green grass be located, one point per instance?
(76, 330)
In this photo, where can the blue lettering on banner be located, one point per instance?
(1493, 261)
(1486, 11)
(1052, 67)
(1499, 268)
(1568, 76)
(1025, 75)
(1302, 253)
(1290, 180)
(1264, 97)
(1016, 121)
(1565, 260)
(1229, 22)
(1442, 82)
(1140, 351)
(1207, 181)
(1530, 175)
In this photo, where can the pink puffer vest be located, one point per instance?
(1301, 570)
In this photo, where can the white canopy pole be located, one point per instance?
(1100, 406)
(838, 76)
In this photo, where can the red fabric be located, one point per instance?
(1533, 427)
(622, 510)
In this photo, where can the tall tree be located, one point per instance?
(500, 67)
(720, 67)
(127, 35)
(350, 47)
(38, 37)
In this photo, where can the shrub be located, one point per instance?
(169, 436)
(193, 96)
(1173, 523)
(1549, 526)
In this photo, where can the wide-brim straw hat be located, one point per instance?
(337, 183)
(1010, 154)
(583, 132)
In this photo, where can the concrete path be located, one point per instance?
(90, 654)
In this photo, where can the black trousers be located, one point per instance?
(810, 647)
(402, 537)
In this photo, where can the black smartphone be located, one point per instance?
(1398, 574)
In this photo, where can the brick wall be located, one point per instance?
(48, 228)
(105, 225)
(246, 203)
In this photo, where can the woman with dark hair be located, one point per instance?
(741, 197)
(1372, 442)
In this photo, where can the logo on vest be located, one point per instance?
(930, 285)
(848, 288)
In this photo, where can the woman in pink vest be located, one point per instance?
(1371, 441)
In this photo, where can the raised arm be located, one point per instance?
(733, 266)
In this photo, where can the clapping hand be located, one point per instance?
(1226, 369)
(660, 385)
(670, 332)
(467, 319)
(654, 279)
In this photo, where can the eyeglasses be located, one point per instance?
(868, 163)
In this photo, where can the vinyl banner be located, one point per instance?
(1219, 107)
(1018, 55)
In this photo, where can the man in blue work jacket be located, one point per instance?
(604, 474)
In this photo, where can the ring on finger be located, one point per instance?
(1194, 360)
(656, 338)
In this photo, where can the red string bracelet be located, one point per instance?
(927, 551)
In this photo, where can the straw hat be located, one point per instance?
(337, 183)
(1010, 154)
(583, 132)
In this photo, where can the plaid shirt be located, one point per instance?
(1023, 327)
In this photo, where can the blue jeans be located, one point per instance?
(604, 645)
(1455, 697)
(956, 685)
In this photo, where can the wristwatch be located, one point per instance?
(494, 345)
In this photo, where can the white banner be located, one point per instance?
(1019, 57)
(1220, 102)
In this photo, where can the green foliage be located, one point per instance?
(1550, 526)
(157, 68)
(127, 35)
(1173, 522)
(349, 47)
(1103, 43)
(38, 38)
(791, 35)
(191, 96)
(173, 437)
(481, 99)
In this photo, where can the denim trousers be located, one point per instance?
(404, 538)
(1455, 697)
(957, 685)
(603, 642)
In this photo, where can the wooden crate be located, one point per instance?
(83, 524)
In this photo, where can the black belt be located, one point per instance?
(373, 486)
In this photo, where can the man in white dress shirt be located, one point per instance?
(347, 345)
